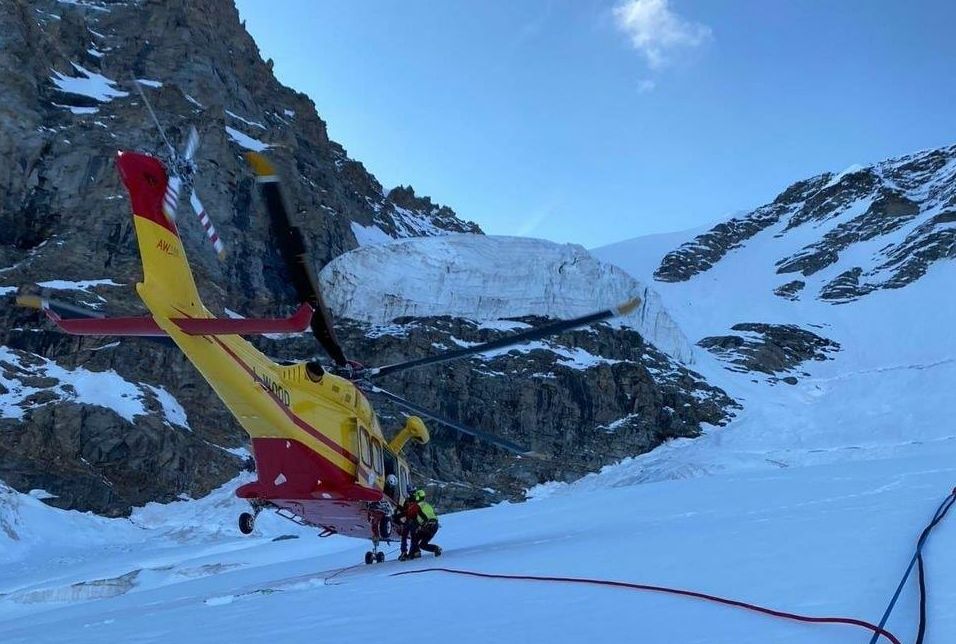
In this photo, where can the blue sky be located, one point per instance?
(594, 121)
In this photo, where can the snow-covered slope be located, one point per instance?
(887, 390)
(815, 494)
(487, 278)
(820, 541)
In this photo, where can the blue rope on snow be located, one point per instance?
(917, 556)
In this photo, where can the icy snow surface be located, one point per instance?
(86, 4)
(487, 278)
(78, 110)
(90, 84)
(81, 285)
(370, 235)
(172, 410)
(245, 120)
(889, 390)
(102, 388)
(828, 540)
(246, 141)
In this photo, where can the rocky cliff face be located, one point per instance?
(584, 398)
(68, 104)
(104, 425)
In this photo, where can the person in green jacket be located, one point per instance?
(421, 525)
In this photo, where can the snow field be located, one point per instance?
(828, 541)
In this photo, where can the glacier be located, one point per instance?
(485, 278)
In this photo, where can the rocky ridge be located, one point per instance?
(869, 228)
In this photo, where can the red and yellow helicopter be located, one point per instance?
(321, 456)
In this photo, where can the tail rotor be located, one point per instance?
(182, 172)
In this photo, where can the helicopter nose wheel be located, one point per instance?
(374, 555)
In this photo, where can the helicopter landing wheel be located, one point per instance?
(369, 558)
(379, 557)
(246, 523)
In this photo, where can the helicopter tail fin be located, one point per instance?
(168, 283)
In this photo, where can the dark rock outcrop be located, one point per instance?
(772, 349)
(790, 290)
(591, 397)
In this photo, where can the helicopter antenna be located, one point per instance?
(149, 106)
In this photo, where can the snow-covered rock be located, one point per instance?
(848, 234)
(486, 278)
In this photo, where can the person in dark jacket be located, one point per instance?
(420, 525)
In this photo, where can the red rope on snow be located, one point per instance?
(673, 591)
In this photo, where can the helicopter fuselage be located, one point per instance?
(318, 447)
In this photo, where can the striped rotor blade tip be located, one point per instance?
(171, 198)
(207, 224)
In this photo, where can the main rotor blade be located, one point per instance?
(518, 338)
(296, 255)
(192, 144)
(463, 429)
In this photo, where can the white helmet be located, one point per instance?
(391, 480)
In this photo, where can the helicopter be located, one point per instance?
(321, 456)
